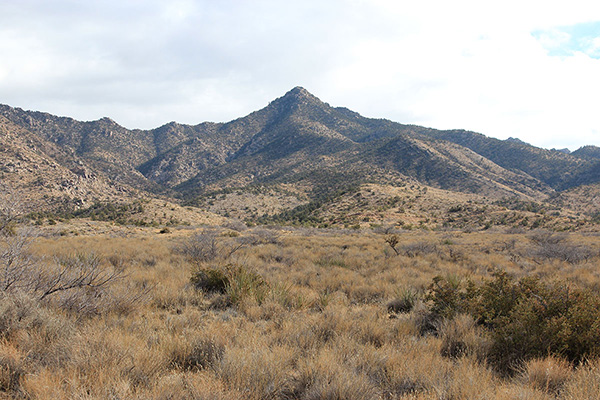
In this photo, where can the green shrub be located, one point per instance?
(448, 296)
(210, 280)
(404, 303)
(237, 282)
(526, 318)
(244, 284)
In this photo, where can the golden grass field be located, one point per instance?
(306, 316)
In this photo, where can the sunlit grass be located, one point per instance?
(304, 318)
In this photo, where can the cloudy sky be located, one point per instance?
(526, 69)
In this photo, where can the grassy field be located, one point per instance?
(218, 313)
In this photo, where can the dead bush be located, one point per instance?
(553, 246)
(262, 236)
(418, 249)
(547, 238)
(572, 254)
(17, 265)
(549, 374)
(205, 246)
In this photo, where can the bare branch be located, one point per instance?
(11, 208)
(76, 272)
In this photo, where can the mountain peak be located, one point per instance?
(298, 99)
(299, 90)
(300, 94)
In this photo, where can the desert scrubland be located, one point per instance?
(228, 312)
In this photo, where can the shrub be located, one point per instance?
(210, 280)
(237, 282)
(418, 249)
(205, 247)
(403, 303)
(244, 284)
(554, 246)
(448, 296)
(526, 318)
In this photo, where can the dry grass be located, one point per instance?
(549, 374)
(316, 325)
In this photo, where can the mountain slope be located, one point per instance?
(554, 168)
(48, 176)
(299, 140)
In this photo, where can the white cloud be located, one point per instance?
(461, 64)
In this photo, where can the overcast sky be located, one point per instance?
(526, 69)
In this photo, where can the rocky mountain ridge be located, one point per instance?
(295, 141)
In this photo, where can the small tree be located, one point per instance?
(393, 240)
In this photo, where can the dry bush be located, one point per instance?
(547, 238)
(77, 283)
(236, 225)
(42, 334)
(12, 370)
(462, 337)
(201, 353)
(549, 374)
(424, 320)
(262, 236)
(21, 312)
(555, 246)
(584, 382)
(565, 252)
(207, 246)
(17, 265)
(419, 249)
(11, 209)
